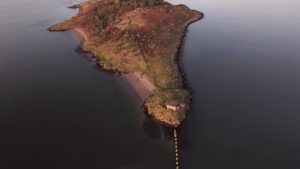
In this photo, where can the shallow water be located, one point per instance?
(57, 109)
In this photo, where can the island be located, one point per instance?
(141, 40)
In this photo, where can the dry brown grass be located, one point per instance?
(131, 37)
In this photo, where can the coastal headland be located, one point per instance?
(140, 39)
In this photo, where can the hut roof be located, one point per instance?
(173, 103)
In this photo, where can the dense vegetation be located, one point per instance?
(138, 36)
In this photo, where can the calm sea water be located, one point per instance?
(57, 110)
(243, 64)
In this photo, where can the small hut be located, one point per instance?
(173, 105)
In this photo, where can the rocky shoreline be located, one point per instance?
(167, 86)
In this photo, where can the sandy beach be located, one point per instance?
(80, 33)
(140, 83)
